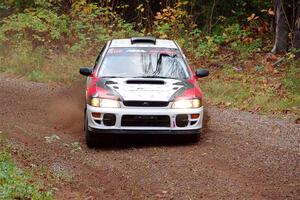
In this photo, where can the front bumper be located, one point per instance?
(194, 124)
(145, 132)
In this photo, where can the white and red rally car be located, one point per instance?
(142, 85)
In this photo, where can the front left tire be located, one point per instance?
(90, 137)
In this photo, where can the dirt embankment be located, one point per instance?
(241, 156)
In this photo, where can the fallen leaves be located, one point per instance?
(52, 138)
(255, 84)
(253, 16)
(75, 147)
(269, 11)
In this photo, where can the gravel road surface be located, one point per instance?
(240, 156)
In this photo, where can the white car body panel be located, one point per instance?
(159, 44)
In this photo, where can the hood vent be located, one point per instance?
(151, 82)
(110, 82)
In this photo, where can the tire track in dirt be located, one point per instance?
(243, 155)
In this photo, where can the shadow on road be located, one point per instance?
(120, 142)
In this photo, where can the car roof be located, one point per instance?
(156, 43)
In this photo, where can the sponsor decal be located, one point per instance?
(148, 50)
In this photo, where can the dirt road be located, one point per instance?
(241, 156)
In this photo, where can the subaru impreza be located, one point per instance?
(142, 85)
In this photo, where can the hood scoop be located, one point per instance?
(143, 81)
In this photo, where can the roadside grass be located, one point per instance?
(255, 92)
(38, 66)
(15, 183)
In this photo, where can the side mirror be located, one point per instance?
(201, 73)
(86, 71)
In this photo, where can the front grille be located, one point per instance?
(146, 103)
(146, 120)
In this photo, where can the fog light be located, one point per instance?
(195, 116)
(96, 115)
(109, 119)
(182, 120)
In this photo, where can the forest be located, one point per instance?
(251, 46)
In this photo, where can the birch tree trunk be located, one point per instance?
(296, 39)
(281, 28)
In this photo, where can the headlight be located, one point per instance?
(192, 103)
(104, 103)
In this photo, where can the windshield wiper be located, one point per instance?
(159, 60)
(161, 55)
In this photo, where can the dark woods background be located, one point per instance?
(279, 18)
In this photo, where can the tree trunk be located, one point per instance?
(281, 28)
(296, 39)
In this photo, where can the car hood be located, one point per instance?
(145, 89)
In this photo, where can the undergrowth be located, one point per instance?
(15, 183)
(256, 92)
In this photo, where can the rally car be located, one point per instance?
(142, 85)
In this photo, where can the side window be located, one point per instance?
(99, 57)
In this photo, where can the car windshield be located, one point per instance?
(143, 62)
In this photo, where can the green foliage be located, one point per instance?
(16, 184)
(95, 26)
(240, 39)
(292, 79)
(2, 6)
(38, 26)
(4, 155)
(172, 22)
(86, 26)
(232, 37)
(254, 46)
(207, 47)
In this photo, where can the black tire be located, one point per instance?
(90, 137)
